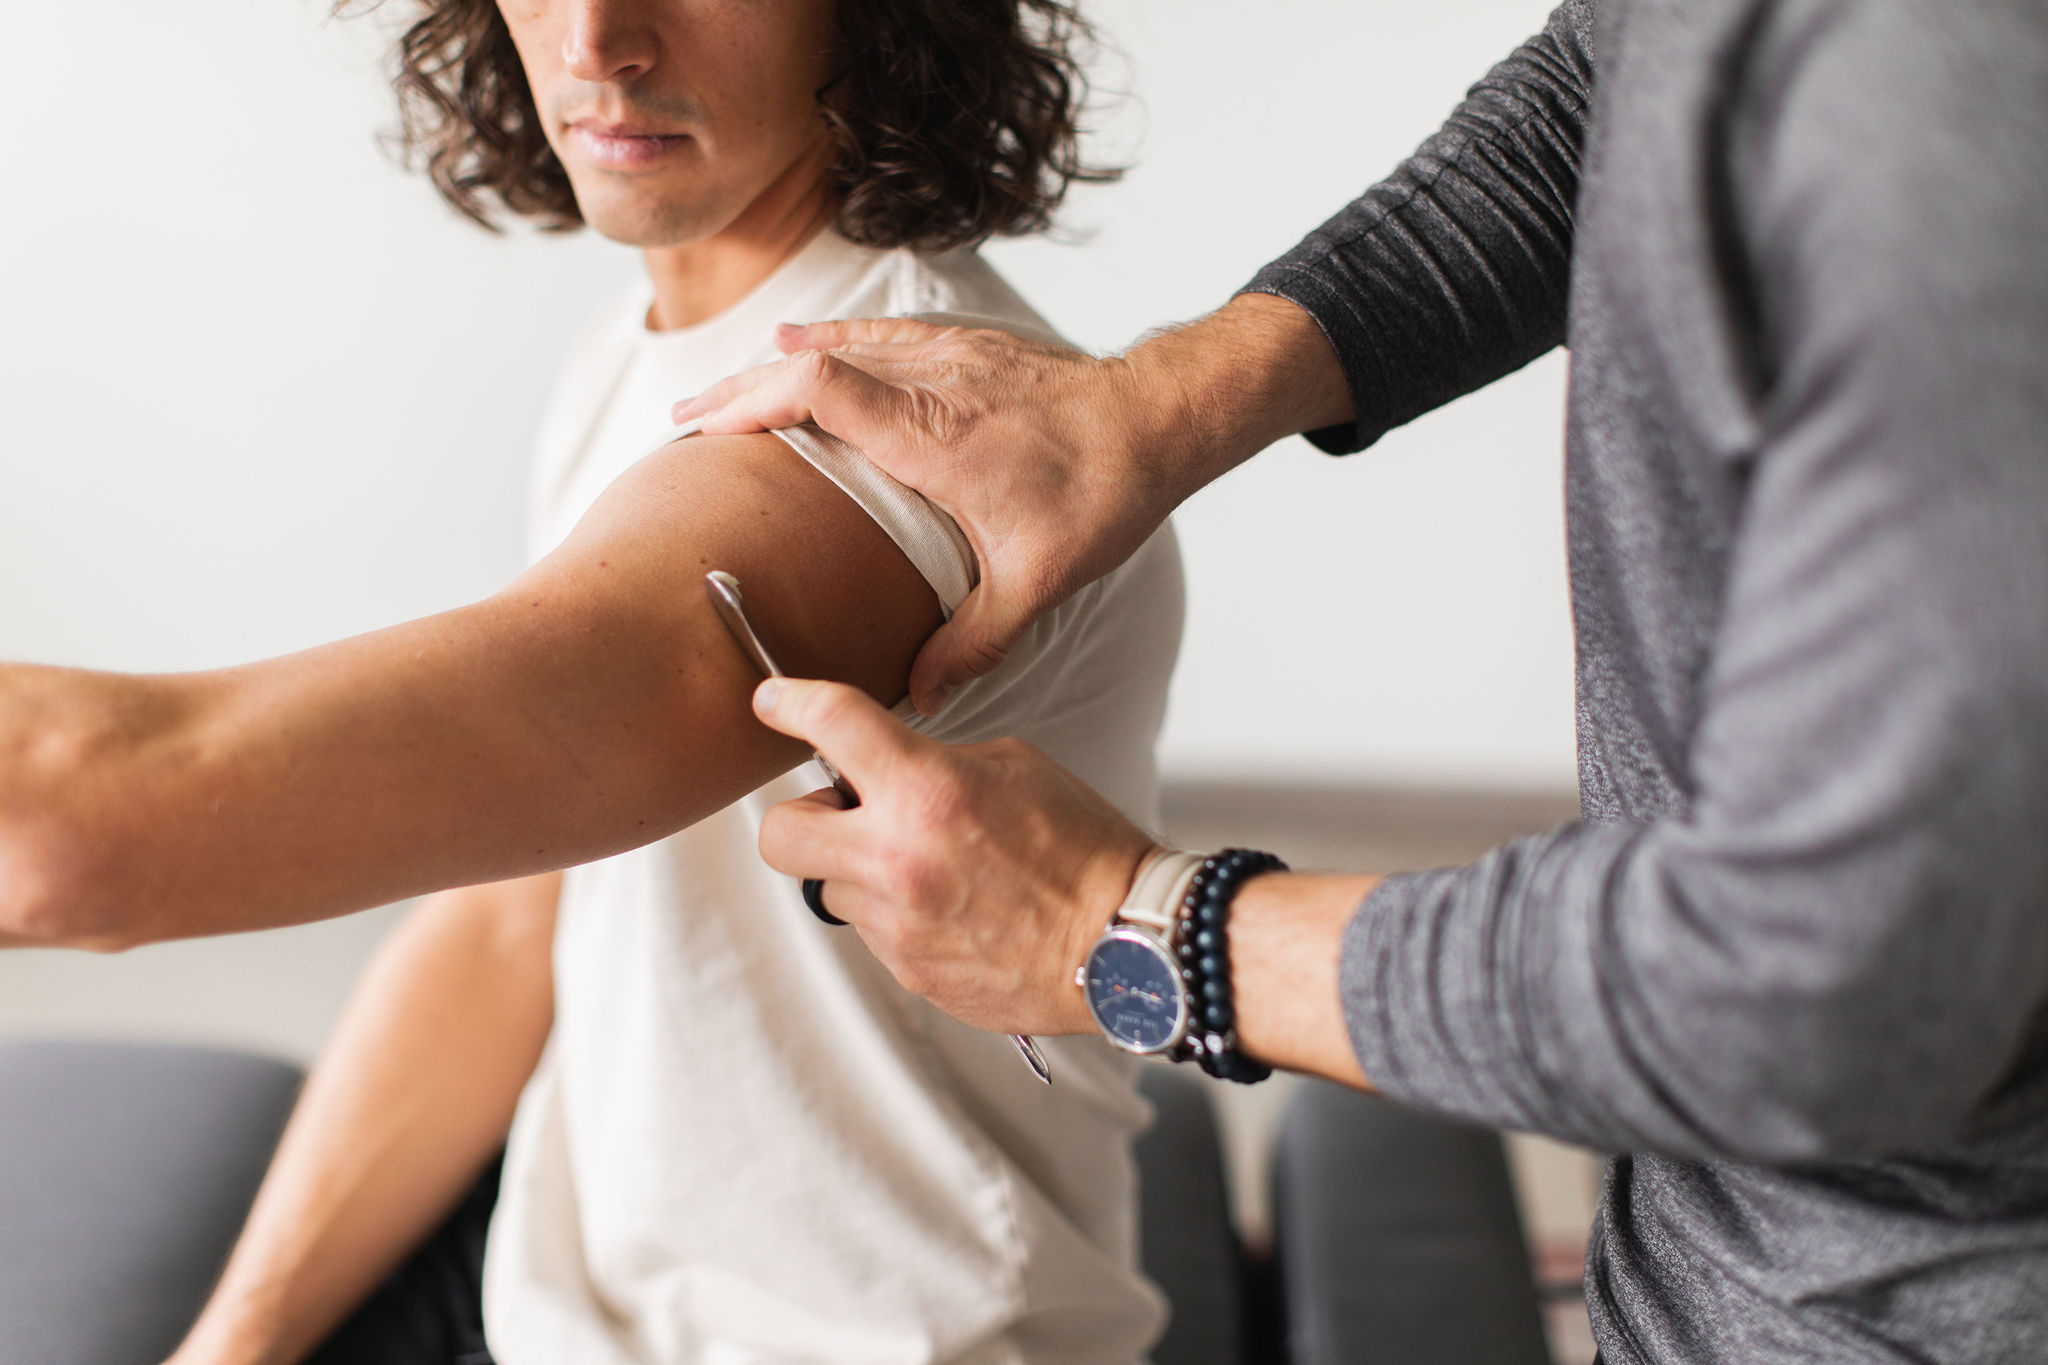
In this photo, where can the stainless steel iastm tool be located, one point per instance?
(732, 609)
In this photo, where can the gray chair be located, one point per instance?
(125, 1173)
(1187, 1244)
(1397, 1239)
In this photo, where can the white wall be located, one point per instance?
(259, 389)
(1399, 615)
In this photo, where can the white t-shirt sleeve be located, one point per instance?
(929, 539)
(932, 541)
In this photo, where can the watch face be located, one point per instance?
(1134, 991)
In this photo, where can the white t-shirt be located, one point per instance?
(745, 1144)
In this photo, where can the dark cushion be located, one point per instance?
(1398, 1239)
(126, 1171)
(1187, 1244)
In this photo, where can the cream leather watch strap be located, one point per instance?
(1156, 894)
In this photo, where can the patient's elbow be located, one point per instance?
(54, 891)
(44, 903)
(56, 888)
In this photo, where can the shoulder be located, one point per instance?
(953, 286)
(1894, 125)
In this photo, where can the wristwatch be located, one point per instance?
(1131, 978)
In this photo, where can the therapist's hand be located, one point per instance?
(979, 875)
(1056, 465)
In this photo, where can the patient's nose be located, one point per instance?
(608, 40)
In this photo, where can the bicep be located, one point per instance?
(647, 677)
(593, 706)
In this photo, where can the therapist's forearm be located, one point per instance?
(1210, 395)
(1286, 939)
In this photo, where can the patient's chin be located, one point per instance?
(637, 218)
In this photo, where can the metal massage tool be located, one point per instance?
(724, 590)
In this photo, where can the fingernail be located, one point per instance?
(788, 328)
(935, 700)
(765, 697)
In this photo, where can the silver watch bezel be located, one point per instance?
(1184, 1011)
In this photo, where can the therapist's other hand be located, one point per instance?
(1041, 454)
(979, 875)
(1056, 465)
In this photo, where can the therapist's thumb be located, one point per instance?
(974, 643)
(842, 723)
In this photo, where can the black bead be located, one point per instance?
(1187, 950)
(1212, 964)
(1218, 1016)
(1212, 912)
(1215, 989)
(1190, 976)
(1209, 940)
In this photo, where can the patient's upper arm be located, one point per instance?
(595, 705)
(658, 695)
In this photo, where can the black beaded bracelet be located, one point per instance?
(1202, 942)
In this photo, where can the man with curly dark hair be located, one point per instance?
(727, 1134)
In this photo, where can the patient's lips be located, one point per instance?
(621, 146)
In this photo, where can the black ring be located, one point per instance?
(814, 896)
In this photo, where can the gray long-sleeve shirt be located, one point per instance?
(1794, 959)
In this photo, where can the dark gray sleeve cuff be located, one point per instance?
(1348, 336)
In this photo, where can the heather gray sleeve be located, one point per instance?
(1838, 947)
(1452, 271)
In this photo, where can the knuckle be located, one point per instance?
(1008, 749)
(983, 655)
(813, 367)
(931, 414)
(826, 706)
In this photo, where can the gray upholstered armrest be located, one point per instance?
(1189, 1248)
(1398, 1239)
(125, 1173)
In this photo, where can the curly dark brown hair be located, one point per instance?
(954, 120)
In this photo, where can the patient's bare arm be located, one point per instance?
(594, 705)
(412, 1096)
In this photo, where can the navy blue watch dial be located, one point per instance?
(1134, 991)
